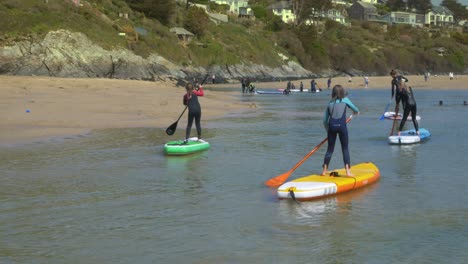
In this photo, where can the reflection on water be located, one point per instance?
(112, 196)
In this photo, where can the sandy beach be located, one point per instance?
(33, 108)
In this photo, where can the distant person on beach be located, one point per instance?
(194, 109)
(243, 85)
(409, 106)
(366, 82)
(301, 87)
(313, 86)
(426, 76)
(329, 83)
(396, 90)
(213, 78)
(334, 121)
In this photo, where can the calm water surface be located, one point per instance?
(113, 197)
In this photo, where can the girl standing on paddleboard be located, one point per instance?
(191, 100)
(335, 123)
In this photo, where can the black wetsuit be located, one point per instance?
(409, 106)
(194, 113)
(396, 90)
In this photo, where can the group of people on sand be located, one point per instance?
(247, 85)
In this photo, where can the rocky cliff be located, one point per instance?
(65, 54)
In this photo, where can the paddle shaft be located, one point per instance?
(397, 107)
(382, 117)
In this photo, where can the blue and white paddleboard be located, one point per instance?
(268, 92)
(410, 137)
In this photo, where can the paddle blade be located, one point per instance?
(171, 129)
(278, 180)
(382, 117)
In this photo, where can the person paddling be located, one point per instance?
(334, 121)
(191, 101)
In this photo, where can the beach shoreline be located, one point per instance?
(37, 108)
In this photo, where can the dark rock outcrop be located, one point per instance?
(65, 54)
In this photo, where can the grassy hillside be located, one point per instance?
(363, 47)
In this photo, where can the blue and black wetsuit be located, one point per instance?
(409, 106)
(335, 122)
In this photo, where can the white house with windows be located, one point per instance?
(415, 20)
(284, 10)
(439, 16)
(234, 5)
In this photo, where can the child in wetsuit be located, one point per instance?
(191, 101)
(335, 123)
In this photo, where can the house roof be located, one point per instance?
(366, 5)
(442, 10)
(181, 31)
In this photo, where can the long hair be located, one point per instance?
(189, 87)
(338, 93)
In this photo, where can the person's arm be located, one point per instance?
(186, 99)
(326, 116)
(351, 105)
(393, 87)
(199, 92)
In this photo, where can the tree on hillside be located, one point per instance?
(397, 5)
(459, 11)
(304, 9)
(196, 20)
(421, 5)
(162, 10)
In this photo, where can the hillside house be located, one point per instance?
(184, 35)
(362, 11)
(284, 10)
(415, 20)
(439, 16)
(234, 5)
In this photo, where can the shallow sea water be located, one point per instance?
(112, 196)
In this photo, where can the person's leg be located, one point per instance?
(415, 121)
(189, 125)
(403, 120)
(344, 140)
(197, 124)
(331, 146)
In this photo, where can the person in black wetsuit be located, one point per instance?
(191, 101)
(396, 91)
(334, 121)
(409, 106)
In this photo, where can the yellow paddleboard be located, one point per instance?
(317, 186)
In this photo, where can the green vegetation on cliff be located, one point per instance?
(361, 47)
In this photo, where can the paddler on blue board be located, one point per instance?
(334, 121)
(409, 106)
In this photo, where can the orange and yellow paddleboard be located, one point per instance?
(317, 186)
